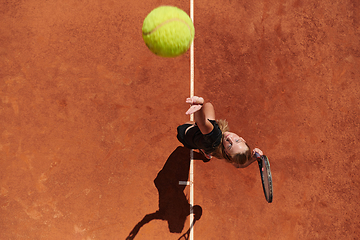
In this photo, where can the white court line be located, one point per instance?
(192, 58)
(191, 173)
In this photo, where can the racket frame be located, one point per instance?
(263, 159)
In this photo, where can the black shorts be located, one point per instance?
(194, 139)
(181, 134)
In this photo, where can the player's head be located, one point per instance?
(237, 155)
(235, 149)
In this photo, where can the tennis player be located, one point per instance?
(212, 137)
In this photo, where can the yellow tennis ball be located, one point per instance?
(168, 31)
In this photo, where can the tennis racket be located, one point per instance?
(265, 173)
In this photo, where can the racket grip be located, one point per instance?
(257, 155)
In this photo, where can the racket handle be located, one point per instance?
(257, 155)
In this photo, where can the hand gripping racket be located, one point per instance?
(265, 174)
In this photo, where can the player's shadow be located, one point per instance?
(173, 204)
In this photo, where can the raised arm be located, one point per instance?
(203, 112)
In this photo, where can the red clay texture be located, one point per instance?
(88, 119)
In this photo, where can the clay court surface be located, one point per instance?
(88, 119)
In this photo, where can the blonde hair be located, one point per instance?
(241, 158)
(220, 153)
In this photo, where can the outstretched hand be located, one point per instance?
(196, 104)
(193, 109)
(195, 100)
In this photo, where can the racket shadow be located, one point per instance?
(173, 203)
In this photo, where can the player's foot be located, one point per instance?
(208, 156)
